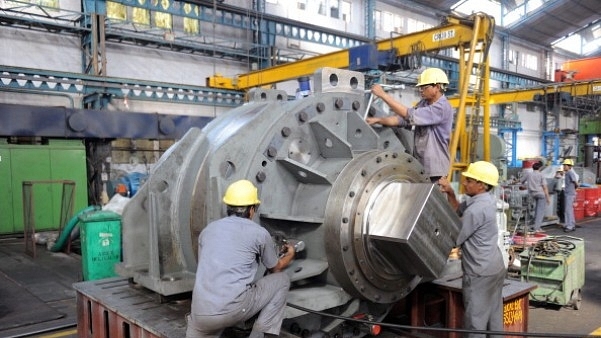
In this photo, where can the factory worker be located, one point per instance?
(481, 258)
(229, 253)
(569, 191)
(536, 184)
(432, 118)
(558, 190)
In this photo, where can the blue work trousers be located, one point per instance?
(570, 222)
(539, 211)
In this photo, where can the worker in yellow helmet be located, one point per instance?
(481, 261)
(569, 191)
(432, 118)
(229, 253)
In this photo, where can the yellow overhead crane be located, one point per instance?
(472, 37)
(574, 89)
(577, 88)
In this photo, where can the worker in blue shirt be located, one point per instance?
(432, 118)
(481, 258)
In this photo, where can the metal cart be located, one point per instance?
(556, 266)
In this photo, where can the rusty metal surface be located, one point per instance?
(114, 308)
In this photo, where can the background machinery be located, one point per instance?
(372, 224)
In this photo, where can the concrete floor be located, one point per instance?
(586, 320)
(61, 270)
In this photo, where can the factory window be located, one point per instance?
(322, 8)
(345, 10)
(414, 25)
(335, 9)
(512, 56)
(191, 26)
(398, 24)
(530, 61)
(387, 21)
(378, 19)
(141, 16)
(48, 3)
(116, 11)
(163, 20)
(301, 5)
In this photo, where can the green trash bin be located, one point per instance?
(100, 236)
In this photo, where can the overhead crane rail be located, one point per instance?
(575, 89)
(455, 32)
(472, 37)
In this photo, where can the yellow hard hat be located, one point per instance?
(432, 76)
(241, 193)
(568, 161)
(484, 172)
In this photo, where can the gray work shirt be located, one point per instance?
(535, 182)
(433, 124)
(570, 179)
(229, 252)
(479, 236)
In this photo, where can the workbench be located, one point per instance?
(440, 304)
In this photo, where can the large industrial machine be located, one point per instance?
(373, 225)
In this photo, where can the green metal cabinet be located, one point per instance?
(57, 160)
(559, 277)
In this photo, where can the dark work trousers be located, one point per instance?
(561, 201)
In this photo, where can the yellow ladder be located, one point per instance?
(474, 89)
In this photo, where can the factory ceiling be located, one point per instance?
(553, 21)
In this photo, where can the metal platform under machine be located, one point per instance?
(115, 308)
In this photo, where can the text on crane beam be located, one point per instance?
(443, 35)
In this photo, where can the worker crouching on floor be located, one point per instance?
(482, 261)
(229, 253)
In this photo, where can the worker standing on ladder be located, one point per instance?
(432, 118)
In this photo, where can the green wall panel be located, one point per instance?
(6, 191)
(58, 160)
(31, 163)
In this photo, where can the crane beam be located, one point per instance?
(454, 33)
(578, 88)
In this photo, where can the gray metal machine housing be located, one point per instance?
(372, 223)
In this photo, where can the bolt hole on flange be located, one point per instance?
(354, 82)
(333, 80)
(161, 186)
